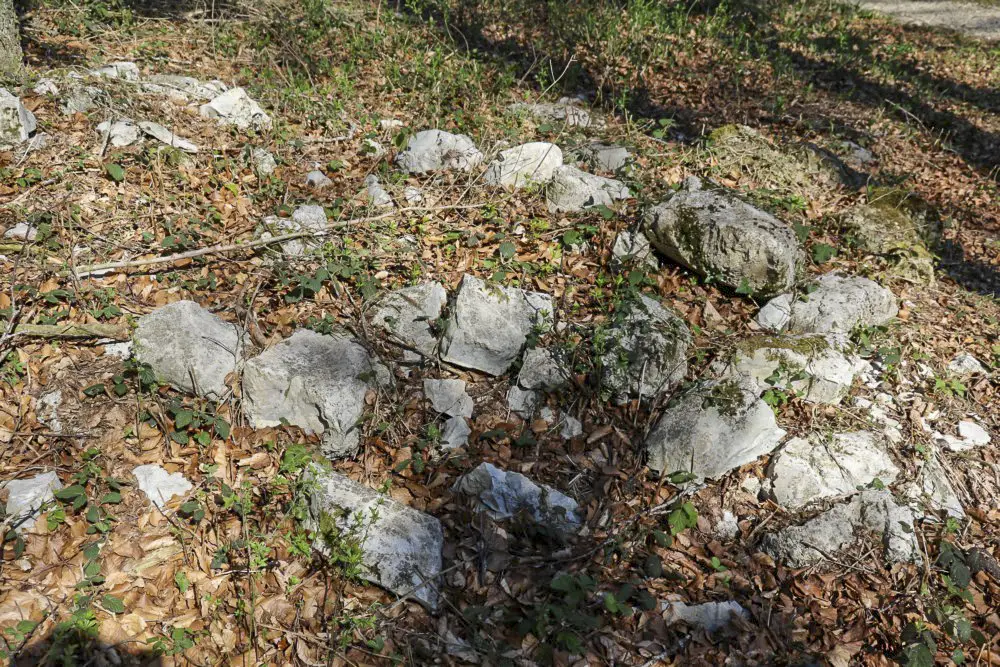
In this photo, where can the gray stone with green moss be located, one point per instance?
(645, 351)
(713, 232)
(16, 122)
(715, 427)
(819, 367)
(903, 235)
(831, 303)
(400, 547)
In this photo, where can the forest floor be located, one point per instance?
(228, 576)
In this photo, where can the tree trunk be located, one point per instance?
(10, 42)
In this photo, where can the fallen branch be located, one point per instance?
(71, 331)
(84, 271)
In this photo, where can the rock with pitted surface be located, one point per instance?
(411, 316)
(437, 150)
(16, 122)
(533, 163)
(831, 303)
(574, 190)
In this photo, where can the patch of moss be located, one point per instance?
(726, 397)
(804, 345)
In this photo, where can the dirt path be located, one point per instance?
(974, 20)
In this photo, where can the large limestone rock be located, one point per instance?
(27, 497)
(574, 190)
(489, 325)
(400, 546)
(410, 315)
(521, 166)
(503, 494)
(645, 351)
(715, 233)
(833, 302)
(159, 485)
(807, 470)
(715, 427)
(314, 381)
(236, 107)
(822, 537)
(16, 122)
(189, 348)
(817, 366)
(437, 150)
(563, 111)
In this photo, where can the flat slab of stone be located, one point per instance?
(449, 397)
(400, 546)
(503, 495)
(123, 70)
(521, 166)
(26, 497)
(970, 436)
(489, 325)
(411, 315)
(933, 489)
(715, 233)
(543, 369)
(817, 366)
(167, 137)
(120, 133)
(646, 351)
(572, 189)
(831, 303)
(822, 537)
(189, 348)
(236, 107)
(314, 381)
(16, 122)
(600, 157)
(633, 248)
(437, 150)
(159, 485)
(804, 470)
(717, 426)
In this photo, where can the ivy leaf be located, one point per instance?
(823, 253)
(115, 172)
(183, 418)
(181, 579)
(111, 498)
(113, 604)
(70, 493)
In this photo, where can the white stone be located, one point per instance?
(449, 397)
(189, 348)
(317, 180)
(633, 248)
(834, 303)
(371, 147)
(646, 351)
(46, 87)
(126, 71)
(808, 470)
(159, 485)
(715, 427)
(80, 99)
(728, 528)
(574, 190)
(387, 124)
(119, 350)
(572, 428)
(183, 87)
(824, 536)
(522, 402)
(489, 325)
(377, 195)
(314, 381)
(400, 546)
(966, 364)
(455, 433)
(120, 133)
(308, 218)
(518, 167)
(412, 195)
(263, 162)
(503, 495)
(411, 315)
(708, 616)
(22, 231)
(601, 157)
(542, 369)
(235, 107)
(16, 122)
(47, 410)
(167, 137)
(27, 497)
(436, 150)
(933, 488)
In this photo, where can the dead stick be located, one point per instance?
(85, 271)
(71, 331)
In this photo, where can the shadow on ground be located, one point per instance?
(75, 648)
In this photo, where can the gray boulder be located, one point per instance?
(521, 166)
(807, 470)
(314, 381)
(308, 218)
(455, 433)
(120, 133)
(715, 233)
(235, 107)
(833, 302)
(822, 537)
(574, 190)
(159, 485)
(27, 497)
(503, 495)
(122, 70)
(817, 366)
(489, 325)
(16, 122)
(189, 348)
(376, 194)
(449, 397)
(601, 157)
(400, 546)
(933, 489)
(167, 137)
(714, 428)
(437, 150)
(645, 351)
(633, 248)
(410, 315)
(543, 369)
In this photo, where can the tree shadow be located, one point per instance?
(78, 648)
